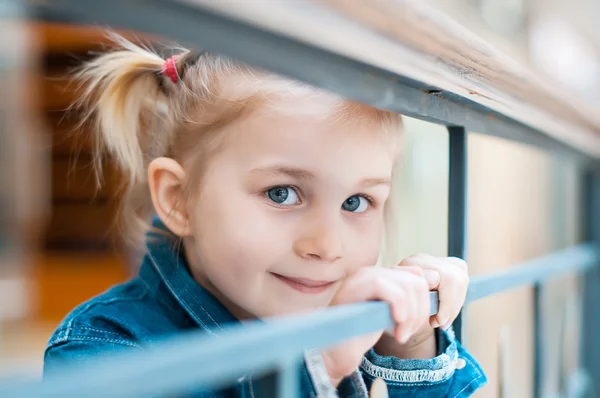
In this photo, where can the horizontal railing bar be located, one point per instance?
(572, 260)
(172, 367)
(261, 346)
(351, 78)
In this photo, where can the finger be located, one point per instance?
(445, 308)
(452, 294)
(447, 325)
(399, 334)
(433, 321)
(426, 261)
(429, 266)
(378, 389)
(358, 287)
(449, 283)
(401, 305)
(421, 297)
(431, 275)
(413, 269)
(391, 293)
(382, 284)
(416, 304)
(393, 286)
(412, 309)
(408, 327)
(433, 278)
(462, 264)
(402, 333)
(423, 261)
(436, 263)
(416, 259)
(452, 284)
(377, 285)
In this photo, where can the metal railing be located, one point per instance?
(276, 346)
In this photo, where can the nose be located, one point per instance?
(321, 240)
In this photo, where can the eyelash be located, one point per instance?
(368, 198)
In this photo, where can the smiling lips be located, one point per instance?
(308, 286)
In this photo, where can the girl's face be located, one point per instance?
(287, 208)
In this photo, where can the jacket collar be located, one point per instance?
(164, 261)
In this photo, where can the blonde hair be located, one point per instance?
(138, 114)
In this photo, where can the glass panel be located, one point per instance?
(424, 186)
(523, 203)
(423, 183)
(561, 301)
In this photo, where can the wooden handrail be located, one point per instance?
(414, 40)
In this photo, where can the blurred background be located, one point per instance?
(59, 247)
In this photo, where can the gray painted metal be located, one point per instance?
(575, 259)
(171, 367)
(591, 283)
(457, 205)
(262, 347)
(538, 353)
(287, 380)
(197, 27)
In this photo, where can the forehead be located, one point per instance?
(262, 97)
(316, 131)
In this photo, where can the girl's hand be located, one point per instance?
(404, 288)
(450, 277)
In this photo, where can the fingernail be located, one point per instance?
(405, 337)
(378, 389)
(435, 324)
(432, 277)
(398, 336)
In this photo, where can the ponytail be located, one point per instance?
(125, 100)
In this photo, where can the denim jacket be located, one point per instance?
(164, 299)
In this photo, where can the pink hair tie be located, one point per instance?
(169, 69)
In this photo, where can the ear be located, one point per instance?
(166, 181)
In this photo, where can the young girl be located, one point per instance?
(268, 197)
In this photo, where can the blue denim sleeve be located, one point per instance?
(76, 352)
(79, 351)
(454, 373)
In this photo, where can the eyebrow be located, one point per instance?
(301, 174)
(296, 173)
(370, 182)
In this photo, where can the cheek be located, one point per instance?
(363, 249)
(242, 236)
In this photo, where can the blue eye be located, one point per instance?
(283, 195)
(355, 204)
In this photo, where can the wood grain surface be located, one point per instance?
(417, 41)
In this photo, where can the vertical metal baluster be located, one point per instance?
(457, 204)
(288, 385)
(504, 386)
(590, 350)
(537, 341)
(563, 369)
